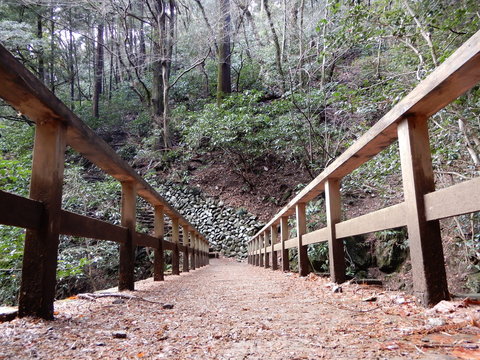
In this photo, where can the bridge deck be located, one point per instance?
(229, 310)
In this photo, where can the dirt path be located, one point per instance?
(230, 310)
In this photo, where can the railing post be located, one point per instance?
(260, 249)
(159, 259)
(303, 264)
(266, 237)
(274, 236)
(175, 254)
(127, 249)
(37, 291)
(192, 250)
(336, 254)
(186, 244)
(284, 237)
(426, 252)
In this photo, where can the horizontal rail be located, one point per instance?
(462, 198)
(386, 218)
(422, 207)
(20, 211)
(455, 76)
(146, 240)
(28, 95)
(84, 226)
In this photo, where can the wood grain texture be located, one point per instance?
(37, 291)
(19, 211)
(78, 225)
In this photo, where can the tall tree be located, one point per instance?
(224, 81)
(99, 63)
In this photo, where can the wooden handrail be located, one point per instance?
(459, 73)
(423, 206)
(57, 126)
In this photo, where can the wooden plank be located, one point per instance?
(30, 97)
(459, 73)
(273, 241)
(303, 263)
(176, 250)
(458, 199)
(277, 247)
(146, 240)
(192, 249)
(19, 211)
(159, 254)
(79, 225)
(266, 248)
(386, 218)
(126, 279)
(37, 291)
(336, 253)
(315, 237)
(424, 238)
(261, 247)
(167, 245)
(186, 244)
(291, 243)
(284, 235)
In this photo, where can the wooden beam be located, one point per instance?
(176, 253)
(167, 245)
(159, 254)
(284, 237)
(459, 199)
(192, 249)
(37, 291)
(127, 249)
(29, 96)
(456, 75)
(19, 211)
(426, 252)
(316, 236)
(303, 263)
(146, 240)
(291, 243)
(83, 226)
(266, 248)
(387, 218)
(273, 241)
(336, 254)
(186, 244)
(260, 248)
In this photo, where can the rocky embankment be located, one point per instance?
(226, 228)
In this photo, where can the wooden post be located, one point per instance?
(266, 237)
(303, 263)
(127, 250)
(159, 260)
(336, 255)
(284, 237)
(274, 234)
(37, 291)
(175, 255)
(186, 244)
(260, 248)
(424, 238)
(192, 249)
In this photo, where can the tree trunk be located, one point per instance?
(40, 54)
(278, 50)
(98, 79)
(224, 83)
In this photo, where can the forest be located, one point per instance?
(261, 95)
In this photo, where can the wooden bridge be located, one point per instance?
(57, 127)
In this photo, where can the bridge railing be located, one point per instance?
(56, 127)
(422, 206)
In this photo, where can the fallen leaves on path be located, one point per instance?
(231, 310)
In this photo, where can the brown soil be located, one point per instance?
(263, 192)
(231, 310)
